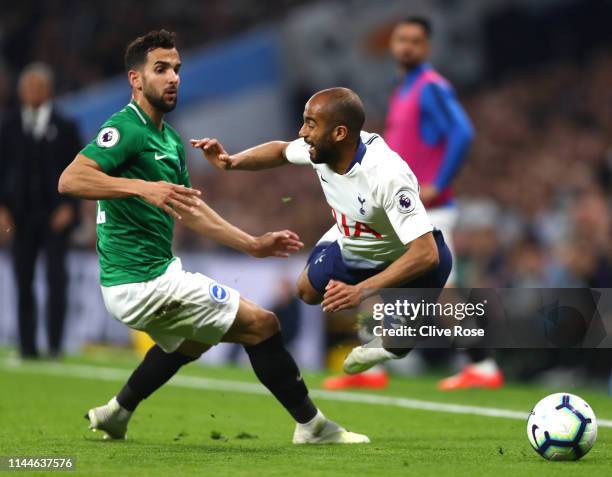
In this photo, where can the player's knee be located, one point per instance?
(260, 325)
(267, 324)
(190, 356)
(192, 349)
(309, 297)
(307, 293)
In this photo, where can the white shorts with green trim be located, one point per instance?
(174, 307)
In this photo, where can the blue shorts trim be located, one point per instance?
(325, 263)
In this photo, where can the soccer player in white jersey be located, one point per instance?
(383, 239)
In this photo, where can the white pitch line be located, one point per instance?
(194, 382)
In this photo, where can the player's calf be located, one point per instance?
(259, 331)
(155, 369)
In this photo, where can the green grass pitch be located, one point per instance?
(183, 430)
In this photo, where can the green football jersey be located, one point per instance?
(134, 237)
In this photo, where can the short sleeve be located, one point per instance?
(398, 194)
(297, 152)
(114, 144)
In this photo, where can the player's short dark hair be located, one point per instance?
(423, 22)
(344, 108)
(136, 51)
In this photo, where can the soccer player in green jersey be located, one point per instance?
(135, 169)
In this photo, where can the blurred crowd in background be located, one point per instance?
(537, 183)
(534, 195)
(83, 40)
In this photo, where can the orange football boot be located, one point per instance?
(373, 380)
(470, 377)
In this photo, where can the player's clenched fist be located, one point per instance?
(276, 244)
(214, 152)
(169, 197)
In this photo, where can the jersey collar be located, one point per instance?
(144, 117)
(358, 157)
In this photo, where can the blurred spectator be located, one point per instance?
(36, 144)
(80, 38)
(5, 88)
(287, 309)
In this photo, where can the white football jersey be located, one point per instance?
(376, 204)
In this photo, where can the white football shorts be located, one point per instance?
(175, 306)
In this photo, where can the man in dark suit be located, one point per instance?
(36, 144)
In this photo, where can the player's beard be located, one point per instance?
(325, 153)
(158, 102)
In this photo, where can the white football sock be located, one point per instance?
(313, 426)
(486, 366)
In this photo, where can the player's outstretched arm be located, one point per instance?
(205, 221)
(265, 156)
(420, 257)
(85, 179)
